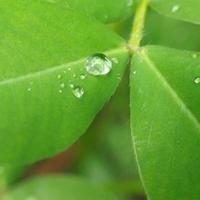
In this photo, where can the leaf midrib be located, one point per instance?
(56, 68)
(170, 89)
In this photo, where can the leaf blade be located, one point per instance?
(181, 9)
(163, 115)
(105, 11)
(42, 54)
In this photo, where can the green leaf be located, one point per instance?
(43, 50)
(104, 10)
(59, 188)
(165, 114)
(182, 35)
(186, 10)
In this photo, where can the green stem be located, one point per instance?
(138, 26)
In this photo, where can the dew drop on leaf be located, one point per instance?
(29, 89)
(59, 76)
(78, 91)
(60, 91)
(175, 8)
(62, 85)
(194, 55)
(82, 76)
(71, 85)
(98, 65)
(197, 80)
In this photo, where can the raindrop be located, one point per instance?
(175, 8)
(78, 91)
(197, 80)
(98, 65)
(69, 68)
(60, 91)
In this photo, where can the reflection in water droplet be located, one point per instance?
(134, 72)
(78, 91)
(69, 68)
(98, 64)
(175, 8)
(60, 91)
(197, 80)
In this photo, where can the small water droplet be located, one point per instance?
(59, 76)
(175, 8)
(29, 89)
(197, 80)
(64, 72)
(74, 75)
(98, 64)
(71, 85)
(194, 55)
(60, 91)
(62, 85)
(134, 72)
(78, 91)
(69, 68)
(82, 76)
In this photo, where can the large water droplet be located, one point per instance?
(197, 80)
(78, 91)
(98, 64)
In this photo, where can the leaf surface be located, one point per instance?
(43, 51)
(165, 114)
(179, 9)
(59, 187)
(104, 10)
